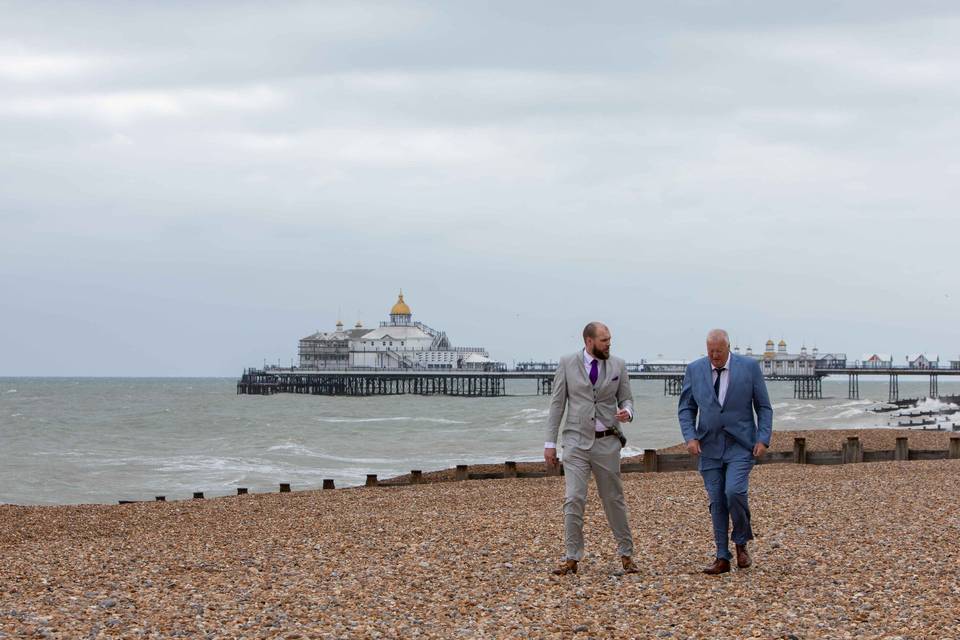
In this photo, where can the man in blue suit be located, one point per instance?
(725, 391)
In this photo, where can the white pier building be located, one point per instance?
(399, 343)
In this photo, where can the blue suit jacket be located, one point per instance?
(730, 425)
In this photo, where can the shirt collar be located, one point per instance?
(726, 364)
(588, 359)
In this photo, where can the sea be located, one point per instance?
(102, 440)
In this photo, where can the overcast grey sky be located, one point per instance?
(188, 188)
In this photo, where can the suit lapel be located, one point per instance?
(578, 361)
(733, 373)
(708, 379)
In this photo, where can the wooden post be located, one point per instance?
(800, 450)
(509, 469)
(462, 473)
(371, 479)
(650, 462)
(328, 483)
(853, 450)
(954, 451)
(241, 491)
(198, 495)
(416, 476)
(284, 487)
(161, 498)
(902, 452)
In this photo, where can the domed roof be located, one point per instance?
(782, 344)
(769, 343)
(400, 308)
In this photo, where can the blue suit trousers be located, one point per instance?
(727, 481)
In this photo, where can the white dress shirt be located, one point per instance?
(598, 425)
(724, 379)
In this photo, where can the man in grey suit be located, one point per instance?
(724, 391)
(594, 388)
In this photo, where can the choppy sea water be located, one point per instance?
(99, 440)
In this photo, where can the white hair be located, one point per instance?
(718, 334)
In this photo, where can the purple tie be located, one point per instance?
(594, 371)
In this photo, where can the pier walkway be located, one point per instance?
(493, 383)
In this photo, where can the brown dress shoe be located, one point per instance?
(743, 558)
(720, 565)
(628, 565)
(568, 566)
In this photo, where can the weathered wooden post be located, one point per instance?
(902, 452)
(650, 462)
(284, 487)
(198, 495)
(416, 476)
(161, 498)
(800, 451)
(328, 483)
(954, 451)
(372, 480)
(509, 469)
(854, 450)
(241, 491)
(462, 472)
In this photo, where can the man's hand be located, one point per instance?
(759, 449)
(623, 415)
(693, 446)
(550, 456)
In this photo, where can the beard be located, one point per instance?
(601, 354)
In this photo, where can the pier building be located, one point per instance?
(398, 343)
(876, 361)
(923, 361)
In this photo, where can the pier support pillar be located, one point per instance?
(894, 393)
(853, 387)
(934, 389)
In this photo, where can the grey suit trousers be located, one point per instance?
(603, 459)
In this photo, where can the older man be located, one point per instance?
(724, 391)
(594, 388)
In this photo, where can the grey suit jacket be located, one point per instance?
(584, 402)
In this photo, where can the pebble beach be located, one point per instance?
(845, 551)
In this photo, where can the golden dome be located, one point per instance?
(782, 344)
(401, 308)
(769, 343)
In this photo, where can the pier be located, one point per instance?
(474, 384)
(486, 384)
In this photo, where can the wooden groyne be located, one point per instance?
(652, 461)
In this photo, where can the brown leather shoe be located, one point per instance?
(720, 565)
(568, 566)
(628, 565)
(743, 558)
